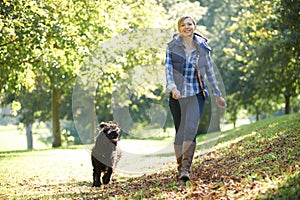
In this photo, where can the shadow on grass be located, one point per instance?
(19, 153)
(16, 153)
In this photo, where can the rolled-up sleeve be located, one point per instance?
(169, 71)
(211, 76)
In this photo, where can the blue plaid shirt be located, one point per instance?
(191, 85)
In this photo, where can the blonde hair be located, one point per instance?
(181, 19)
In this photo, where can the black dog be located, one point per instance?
(105, 154)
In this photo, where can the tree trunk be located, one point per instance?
(29, 136)
(93, 122)
(257, 113)
(56, 117)
(287, 104)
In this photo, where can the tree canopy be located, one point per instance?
(50, 48)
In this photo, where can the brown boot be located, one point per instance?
(188, 148)
(178, 154)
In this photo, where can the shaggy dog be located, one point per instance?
(105, 154)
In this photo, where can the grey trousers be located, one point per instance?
(190, 111)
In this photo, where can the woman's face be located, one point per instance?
(187, 28)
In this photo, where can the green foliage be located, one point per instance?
(46, 45)
(266, 60)
(127, 69)
(255, 52)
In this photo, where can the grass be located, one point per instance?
(255, 161)
(13, 137)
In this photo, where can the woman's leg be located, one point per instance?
(176, 114)
(175, 111)
(188, 110)
(193, 107)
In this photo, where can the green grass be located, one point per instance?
(14, 138)
(255, 161)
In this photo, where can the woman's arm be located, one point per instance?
(169, 71)
(213, 82)
(171, 86)
(211, 77)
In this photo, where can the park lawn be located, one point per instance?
(13, 137)
(255, 161)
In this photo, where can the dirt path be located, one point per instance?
(142, 157)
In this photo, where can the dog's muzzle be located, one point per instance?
(113, 136)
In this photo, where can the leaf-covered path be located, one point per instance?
(258, 161)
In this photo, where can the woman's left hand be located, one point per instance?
(221, 102)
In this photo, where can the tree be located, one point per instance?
(19, 38)
(45, 45)
(132, 61)
(268, 61)
(286, 49)
(35, 106)
(217, 18)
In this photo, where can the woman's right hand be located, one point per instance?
(176, 94)
(221, 102)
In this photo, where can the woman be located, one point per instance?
(187, 61)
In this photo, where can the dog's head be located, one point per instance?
(111, 130)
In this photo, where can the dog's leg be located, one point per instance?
(107, 175)
(96, 177)
(96, 173)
